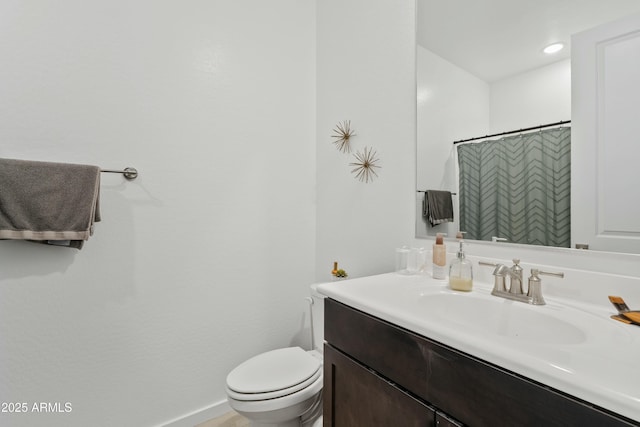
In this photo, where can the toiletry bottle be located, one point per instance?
(439, 258)
(461, 272)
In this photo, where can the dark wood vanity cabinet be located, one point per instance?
(378, 374)
(360, 397)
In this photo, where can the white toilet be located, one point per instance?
(282, 387)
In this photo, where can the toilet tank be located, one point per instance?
(317, 313)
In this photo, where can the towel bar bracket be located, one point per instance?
(129, 173)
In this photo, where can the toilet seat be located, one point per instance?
(273, 374)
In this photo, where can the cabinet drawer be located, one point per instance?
(474, 392)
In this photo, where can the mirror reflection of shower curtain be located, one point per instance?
(518, 187)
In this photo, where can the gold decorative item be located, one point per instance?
(365, 165)
(338, 272)
(343, 133)
(335, 268)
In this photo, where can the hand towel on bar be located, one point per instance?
(54, 203)
(438, 207)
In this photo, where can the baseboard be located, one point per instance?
(201, 415)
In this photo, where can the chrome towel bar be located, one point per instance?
(129, 173)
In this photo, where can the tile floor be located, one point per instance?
(230, 419)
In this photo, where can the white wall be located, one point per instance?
(452, 105)
(366, 74)
(533, 98)
(205, 258)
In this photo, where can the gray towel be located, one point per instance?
(438, 207)
(54, 203)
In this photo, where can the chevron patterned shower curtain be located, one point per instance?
(518, 188)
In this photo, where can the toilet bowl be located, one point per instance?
(282, 387)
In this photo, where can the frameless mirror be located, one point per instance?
(481, 70)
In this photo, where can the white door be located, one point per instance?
(605, 137)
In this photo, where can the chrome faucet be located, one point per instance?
(535, 286)
(515, 291)
(515, 286)
(499, 275)
(514, 273)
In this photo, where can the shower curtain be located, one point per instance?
(518, 188)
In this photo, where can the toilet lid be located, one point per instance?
(274, 370)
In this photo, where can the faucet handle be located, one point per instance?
(499, 274)
(516, 278)
(547, 273)
(535, 285)
(487, 264)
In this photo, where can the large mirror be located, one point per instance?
(481, 70)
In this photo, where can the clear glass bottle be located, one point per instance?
(461, 272)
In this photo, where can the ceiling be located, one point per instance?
(495, 39)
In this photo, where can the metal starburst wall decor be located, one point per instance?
(343, 133)
(365, 165)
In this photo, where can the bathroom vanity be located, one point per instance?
(397, 353)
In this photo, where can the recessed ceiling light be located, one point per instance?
(553, 48)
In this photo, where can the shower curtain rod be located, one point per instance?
(513, 131)
(424, 191)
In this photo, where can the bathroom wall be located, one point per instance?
(452, 104)
(365, 74)
(202, 261)
(536, 97)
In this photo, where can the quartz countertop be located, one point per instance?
(591, 357)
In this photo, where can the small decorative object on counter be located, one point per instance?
(402, 260)
(461, 272)
(624, 314)
(410, 261)
(338, 272)
(341, 273)
(439, 258)
(417, 262)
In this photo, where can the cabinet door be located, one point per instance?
(443, 420)
(605, 65)
(355, 396)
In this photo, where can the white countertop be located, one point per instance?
(591, 356)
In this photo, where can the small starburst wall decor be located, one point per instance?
(365, 165)
(343, 133)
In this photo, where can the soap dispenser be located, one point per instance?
(439, 258)
(461, 272)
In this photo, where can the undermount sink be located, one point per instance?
(505, 318)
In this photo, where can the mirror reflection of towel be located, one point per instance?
(53, 203)
(438, 207)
